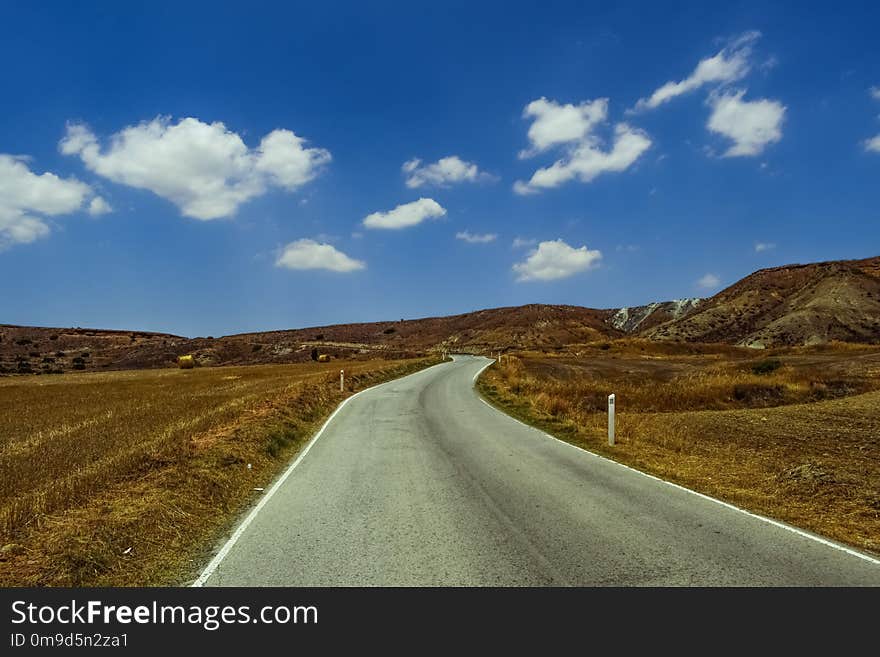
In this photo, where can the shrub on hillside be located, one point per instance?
(756, 394)
(766, 366)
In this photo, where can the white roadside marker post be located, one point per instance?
(611, 400)
(341, 380)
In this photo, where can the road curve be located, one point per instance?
(418, 482)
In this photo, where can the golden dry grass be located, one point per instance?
(800, 443)
(156, 461)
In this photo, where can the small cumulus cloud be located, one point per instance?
(205, 169)
(588, 159)
(730, 64)
(555, 123)
(405, 215)
(764, 246)
(444, 172)
(310, 254)
(553, 260)
(751, 125)
(475, 238)
(99, 206)
(522, 242)
(873, 144)
(27, 199)
(709, 282)
(572, 128)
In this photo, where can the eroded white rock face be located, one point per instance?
(628, 319)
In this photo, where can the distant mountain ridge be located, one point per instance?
(790, 305)
(541, 327)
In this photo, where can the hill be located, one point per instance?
(781, 306)
(533, 326)
(28, 350)
(638, 319)
(790, 305)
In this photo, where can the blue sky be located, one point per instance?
(210, 169)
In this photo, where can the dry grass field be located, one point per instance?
(120, 478)
(793, 434)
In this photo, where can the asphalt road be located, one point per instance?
(419, 482)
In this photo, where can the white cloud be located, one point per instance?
(283, 157)
(443, 172)
(406, 215)
(309, 254)
(752, 125)
(708, 282)
(587, 160)
(27, 198)
(553, 260)
(204, 169)
(556, 124)
(764, 246)
(475, 238)
(521, 242)
(729, 65)
(99, 206)
(873, 144)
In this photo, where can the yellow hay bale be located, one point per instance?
(186, 362)
(323, 358)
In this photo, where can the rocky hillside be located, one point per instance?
(534, 326)
(30, 350)
(638, 319)
(791, 305)
(27, 350)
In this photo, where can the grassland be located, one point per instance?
(125, 478)
(792, 434)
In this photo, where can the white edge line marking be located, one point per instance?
(480, 371)
(775, 523)
(230, 543)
